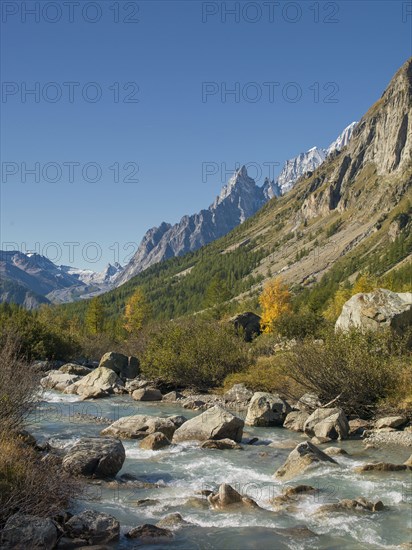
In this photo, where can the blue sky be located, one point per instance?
(305, 54)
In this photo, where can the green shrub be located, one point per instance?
(359, 369)
(193, 353)
(300, 325)
(266, 374)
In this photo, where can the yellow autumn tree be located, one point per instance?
(275, 301)
(137, 312)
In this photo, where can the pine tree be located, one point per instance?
(95, 316)
(137, 312)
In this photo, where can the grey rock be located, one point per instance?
(139, 426)
(58, 381)
(95, 527)
(248, 324)
(308, 402)
(95, 457)
(378, 309)
(149, 533)
(123, 366)
(172, 396)
(266, 409)
(154, 442)
(331, 423)
(227, 496)
(238, 393)
(295, 421)
(305, 456)
(23, 532)
(74, 368)
(215, 423)
(99, 383)
(391, 422)
(147, 394)
(221, 444)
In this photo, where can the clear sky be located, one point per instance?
(300, 72)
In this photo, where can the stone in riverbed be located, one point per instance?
(290, 496)
(308, 403)
(149, 533)
(227, 496)
(335, 451)
(172, 396)
(305, 456)
(58, 381)
(266, 409)
(215, 423)
(409, 461)
(74, 368)
(94, 527)
(123, 366)
(147, 394)
(23, 531)
(383, 467)
(391, 422)
(95, 457)
(154, 442)
(238, 393)
(295, 421)
(221, 444)
(100, 382)
(327, 423)
(171, 521)
(139, 426)
(358, 504)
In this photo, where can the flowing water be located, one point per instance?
(173, 475)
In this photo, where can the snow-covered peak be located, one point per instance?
(342, 140)
(294, 168)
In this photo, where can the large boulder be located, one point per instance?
(248, 323)
(266, 409)
(125, 367)
(295, 421)
(95, 457)
(93, 527)
(99, 383)
(215, 423)
(58, 381)
(327, 423)
(139, 426)
(378, 309)
(23, 531)
(221, 444)
(305, 456)
(74, 368)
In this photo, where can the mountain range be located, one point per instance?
(240, 199)
(30, 279)
(351, 214)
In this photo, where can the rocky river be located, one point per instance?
(177, 479)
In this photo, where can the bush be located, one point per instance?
(299, 325)
(359, 369)
(193, 353)
(38, 338)
(18, 384)
(267, 374)
(27, 483)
